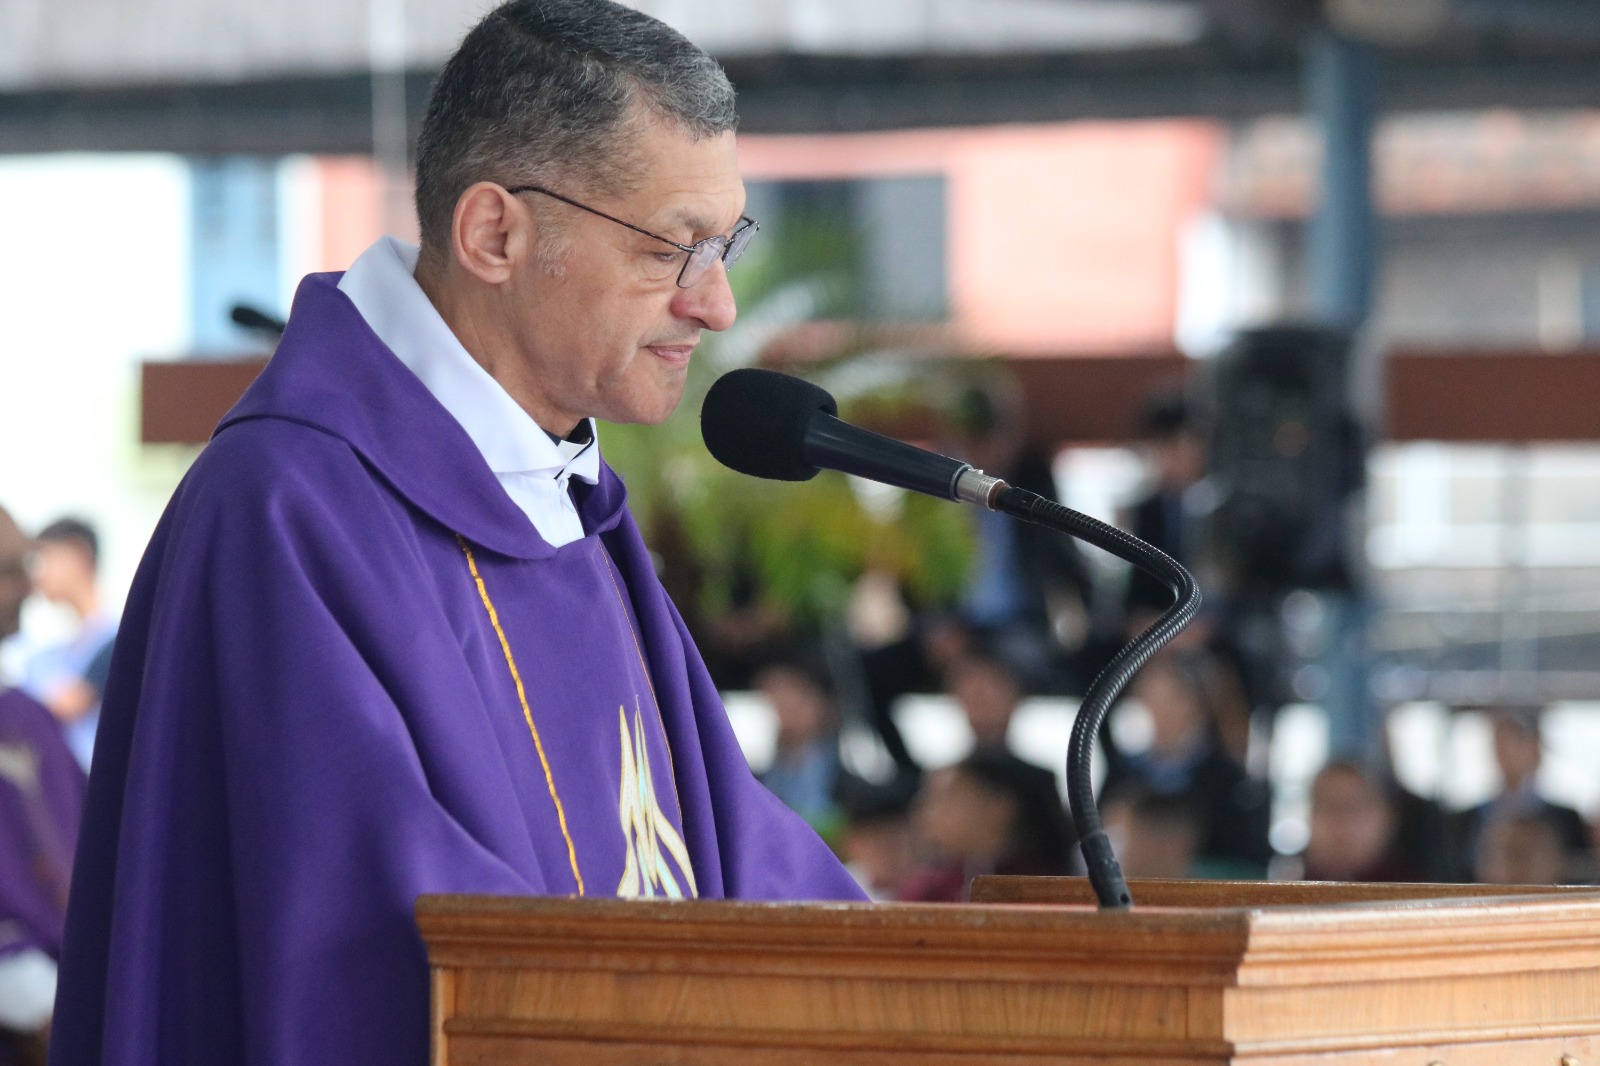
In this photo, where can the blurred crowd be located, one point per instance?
(1184, 806)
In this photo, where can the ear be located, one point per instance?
(490, 232)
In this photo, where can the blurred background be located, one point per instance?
(1307, 292)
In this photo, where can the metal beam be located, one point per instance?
(1560, 17)
(329, 115)
(798, 94)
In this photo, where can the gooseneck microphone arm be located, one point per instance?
(770, 425)
(1105, 873)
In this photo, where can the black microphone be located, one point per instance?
(256, 319)
(772, 425)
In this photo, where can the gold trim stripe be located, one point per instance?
(522, 697)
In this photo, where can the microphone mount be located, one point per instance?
(975, 487)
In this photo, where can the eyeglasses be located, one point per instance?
(698, 256)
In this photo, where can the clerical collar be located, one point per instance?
(582, 433)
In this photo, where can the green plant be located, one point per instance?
(803, 545)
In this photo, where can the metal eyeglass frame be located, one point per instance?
(699, 255)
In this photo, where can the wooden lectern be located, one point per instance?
(1268, 974)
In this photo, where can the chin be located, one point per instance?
(663, 405)
(647, 414)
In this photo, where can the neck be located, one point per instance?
(990, 741)
(463, 303)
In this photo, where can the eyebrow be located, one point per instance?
(701, 224)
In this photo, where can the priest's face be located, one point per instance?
(601, 327)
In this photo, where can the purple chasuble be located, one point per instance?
(350, 672)
(41, 801)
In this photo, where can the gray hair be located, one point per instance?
(551, 91)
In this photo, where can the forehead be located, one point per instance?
(62, 549)
(689, 183)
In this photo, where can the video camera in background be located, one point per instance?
(1286, 455)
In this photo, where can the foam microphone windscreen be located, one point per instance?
(754, 421)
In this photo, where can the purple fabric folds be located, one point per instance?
(350, 673)
(41, 802)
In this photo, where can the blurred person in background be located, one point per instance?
(805, 764)
(398, 632)
(1172, 442)
(985, 815)
(988, 688)
(68, 678)
(1028, 595)
(1354, 827)
(41, 800)
(1156, 836)
(1526, 848)
(1422, 829)
(1518, 754)
(876, 839)
(1186, 760)
(1171, 515)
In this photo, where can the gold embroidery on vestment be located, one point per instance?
(646, 829)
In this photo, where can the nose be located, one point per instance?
(709, 300)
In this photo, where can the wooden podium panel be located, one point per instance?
(1210, 974)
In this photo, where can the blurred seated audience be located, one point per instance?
(1186, 761)
(876, 840)
(1526, 848)
(985, 815)
(805, 765)
(1355, 825)
(1518, 752)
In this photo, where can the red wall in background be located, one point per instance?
(1061, 238)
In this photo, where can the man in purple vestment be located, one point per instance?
(397, 632)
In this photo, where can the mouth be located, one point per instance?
(675, 355)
